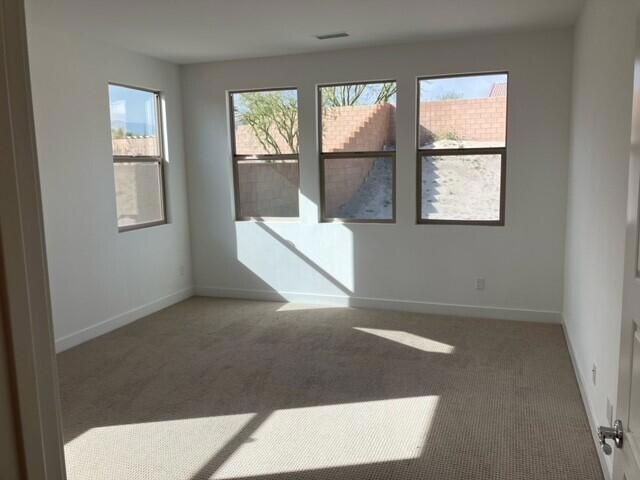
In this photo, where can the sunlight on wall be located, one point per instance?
(331, 436)
(410, 340)
(325, 263)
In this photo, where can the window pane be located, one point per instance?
(268, 188)
(358, 188)
(359, 117)
(266, 122)
(138, 193)
(461, 187)
(134, 122)
(459, 112)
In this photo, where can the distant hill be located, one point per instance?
(133, 128)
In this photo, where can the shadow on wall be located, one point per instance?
(290, 246)
(280, 259)
(252, 390)
(455, 187)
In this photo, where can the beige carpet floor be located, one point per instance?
(228, 389)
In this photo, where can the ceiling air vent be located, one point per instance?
(327, 36)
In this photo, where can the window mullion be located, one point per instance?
(135, 159)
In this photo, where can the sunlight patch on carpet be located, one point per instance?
(170, 449)
(293, 307)
(410, 340)
(314, 438)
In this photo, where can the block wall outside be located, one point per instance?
(343, 178)
(138, 193)
(356, 129)
(143, 146)
(359, 128)
(482, 119)
(268, 189)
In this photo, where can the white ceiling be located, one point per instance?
(187, 31)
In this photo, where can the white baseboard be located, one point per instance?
(385, 304)
(587, 405)
(105, 326)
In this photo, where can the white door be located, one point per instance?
(627, 459)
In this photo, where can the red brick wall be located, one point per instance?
(482, 119)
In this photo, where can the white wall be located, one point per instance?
(100, 278)
(597, 201)
(420, 267)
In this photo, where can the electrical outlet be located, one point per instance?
(609, 412)
(480, 282)
(594, 370)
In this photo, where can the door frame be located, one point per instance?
(629, 455)
(25, 298)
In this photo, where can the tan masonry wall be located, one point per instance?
(482, 119)
(268, 189)
(248, 144)
(143, 146)
(356, 129)
(343, 178)
(271, 189)
(137, 193)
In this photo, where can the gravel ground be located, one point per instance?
(454, 187)
(461, 187)
(373, 199)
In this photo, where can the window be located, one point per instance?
(136, 132)
(357, 151)
(264, 134)
(461, 161)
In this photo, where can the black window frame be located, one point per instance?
(432, 152)
(142, 159)
(322, 155)
(266, 158)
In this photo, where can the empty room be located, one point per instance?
(320, 240)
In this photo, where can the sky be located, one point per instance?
(370, 94)
(472, 86)
(367, 98)
(134, 108)
(476, 86)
